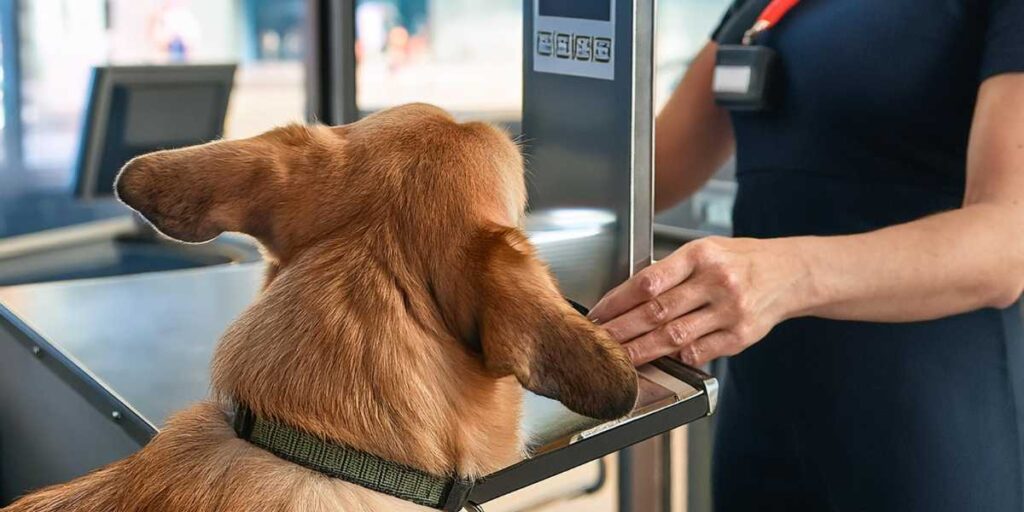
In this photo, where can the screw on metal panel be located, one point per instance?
(36, 351)
(116, 415)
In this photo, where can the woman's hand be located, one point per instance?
(712, 297)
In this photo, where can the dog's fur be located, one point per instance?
(400, 306)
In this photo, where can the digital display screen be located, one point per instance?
(600, 10)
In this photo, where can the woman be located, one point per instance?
(869, 299)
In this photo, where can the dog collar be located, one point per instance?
(351, 465)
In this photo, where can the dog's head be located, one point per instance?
(437, 199)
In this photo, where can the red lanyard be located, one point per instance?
(769, 17)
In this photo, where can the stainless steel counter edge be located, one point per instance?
(94, 391)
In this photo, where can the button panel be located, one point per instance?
(583, 47)
(574, 46)
(580, 54)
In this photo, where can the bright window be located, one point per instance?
(63, 39)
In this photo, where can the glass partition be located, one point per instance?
(63, 39)
(462, 55)
(684, 27)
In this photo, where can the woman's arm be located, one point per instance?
(717, 296)
(947, 263)
(693, 136)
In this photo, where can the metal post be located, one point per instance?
(699, 454)
(698, 457)
(10, 36)
(331, 61)
(644, 484)
(645, 468)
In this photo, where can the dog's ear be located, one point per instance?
(527, 329)
(196, 193)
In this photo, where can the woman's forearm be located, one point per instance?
(941, 265)
(693, 136)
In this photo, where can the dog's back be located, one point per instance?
(401, 312)
(197, 464)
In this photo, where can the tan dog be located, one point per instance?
(400, 306)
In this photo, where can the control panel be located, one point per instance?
(574, 38)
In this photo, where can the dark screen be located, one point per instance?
(150, 118)
(172, 114)
(600, 10)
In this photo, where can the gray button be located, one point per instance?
(563, 46)
(602, 49)
(544, 43)
(583, 48)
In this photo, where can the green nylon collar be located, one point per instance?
(351, 465)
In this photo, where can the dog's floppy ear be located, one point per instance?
(527, 329)
(196, 193)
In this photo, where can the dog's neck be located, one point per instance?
(344, 349)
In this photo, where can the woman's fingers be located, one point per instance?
(711, 347)
(644, 286)
(672, 337)
(658, 311)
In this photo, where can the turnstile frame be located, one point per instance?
(549, 464)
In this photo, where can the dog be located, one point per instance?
(401, 314)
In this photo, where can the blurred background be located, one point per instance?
(463, 55)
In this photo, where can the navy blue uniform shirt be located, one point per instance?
(877, 99)
(878, 89)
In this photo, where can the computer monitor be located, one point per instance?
(134, 110)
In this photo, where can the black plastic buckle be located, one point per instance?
(458, 495)
(578, 307)
(243, 422)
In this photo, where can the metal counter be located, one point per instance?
(88, 368)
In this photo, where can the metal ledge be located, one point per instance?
(605, 441)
